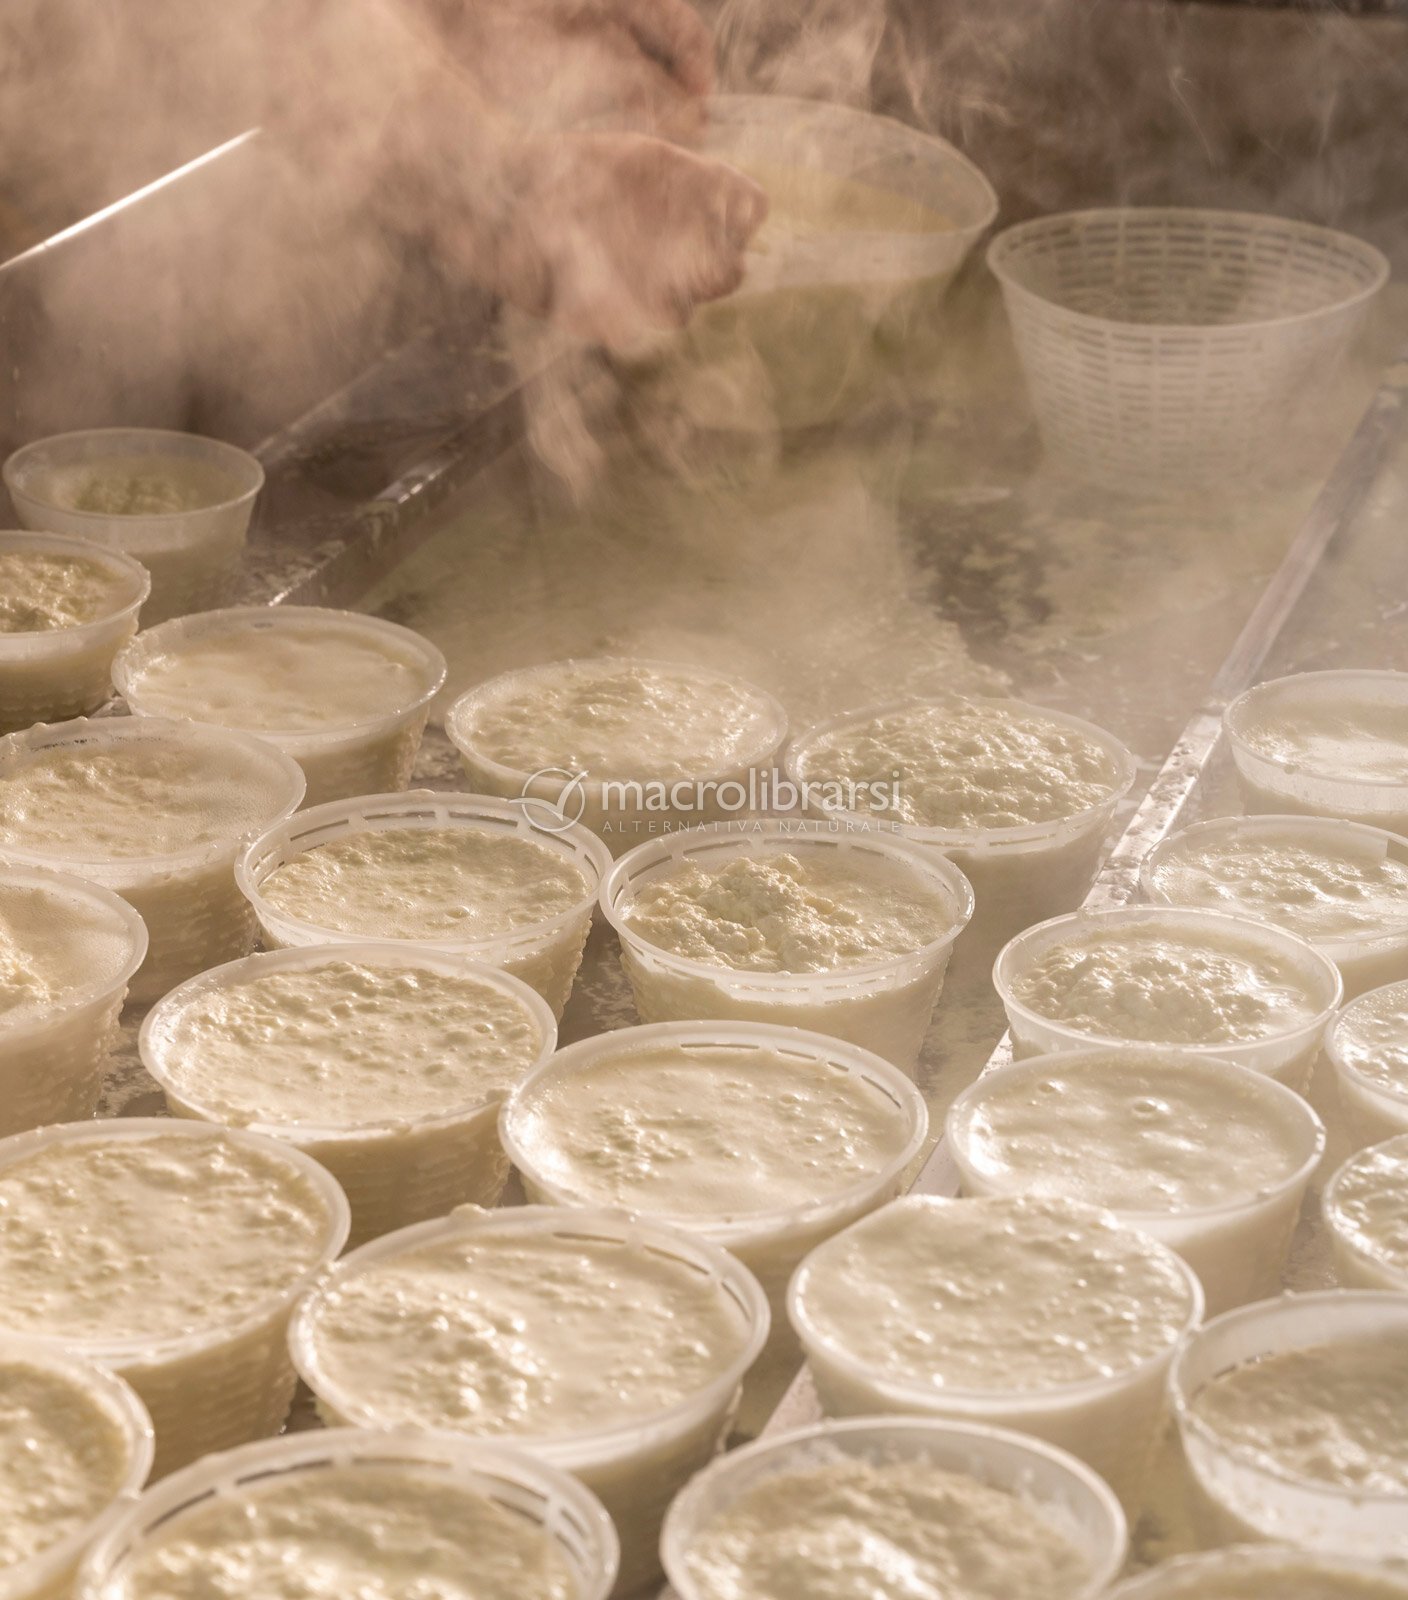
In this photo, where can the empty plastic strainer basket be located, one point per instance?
(1166, 345)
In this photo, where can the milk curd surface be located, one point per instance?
(1263, 1572)
(1134, 1132)
(812, 911)
(1371, 1038)
(346, 1044)
(967, 764)
(138, 486)
(1334, 1414)
(1347, 738)
(1367, 1208)
(1165, 985)
(1321, 892)
(109, 1239)
(64, 1457)
(376, 1532)
(509, 1332)
(852, 1529)
(295, 676)
(619, 718)
(427, 883)
(996, 1294)
(42, 591)
(708, 1133)
(55, 943)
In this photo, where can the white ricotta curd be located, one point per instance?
(763, 1140)
(1225, 985)
(1339, 885)
(1017, 796)
(1264, 1572)
(66, 607)
(172, 1253)
(156, 811)
(345, 1514)
(1294, 1421)
(1366, 1209)
(1367, 1045)
(792, 923)
(73, 1440)
(616, 1348)
(1333, 744)
(347, 696)
(1211, 1158)
(615, 721)
(455, 872)
(1039, 1314)
(387, 1065)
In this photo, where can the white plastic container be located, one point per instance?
(1375, 956)
(1238, 1247)
(1109, 1422)
(399, 1169)
(1324, 783)
(193, 553)
(1287, 1054)
(634, 1468)
(1365, 1206)
(620, 806)
(220, 1385)
(1264, 1572)
(48, 1573)
(1166, 345)
(770, 1244)
(369, 753)
(51, 1066)
(196, 917)
(1374, 1102)
(1054, 1484)
(567, 1514)
(545, 955)
(55, 673)
(1244, 1496)
(1020, 875)
(883, 1007)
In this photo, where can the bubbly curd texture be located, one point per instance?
(109, 1239)
(344, 1044)
(1164, 985)
(812, 911)
(133, 798)
(52, 942)
(370, 1532)
(1371, 1038)
(1333, 1413)
(619, 719)
(1262, 1572)
(294, 676)
(1003, 1294)
(502, 1331)
(138, 486)
(702, 1132)
(63, 1458)
(42, 591)
(427, 883)
(851, 1529)
(1354, 740)
(1317, 891)
(967, 764)
(1369, 1207)
(1132, 1134)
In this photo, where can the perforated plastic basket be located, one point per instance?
(1169, 345)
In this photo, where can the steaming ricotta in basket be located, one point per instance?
(1366, 1209)
(64, 1457)
(42, 591)
(377, 1532)
(1263, 1572)
(1163, 985)
(138, 486)
(1333, 1414)
(809, 912)
(1371, 1038)
(1353, 738)
(344, 1043)
(427, 883)
(967, 764)
(850, 1529)
(53, 942)
(617, 719)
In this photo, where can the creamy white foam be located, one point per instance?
(53, 942)
(42, 591)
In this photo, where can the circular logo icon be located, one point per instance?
(554, 798)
